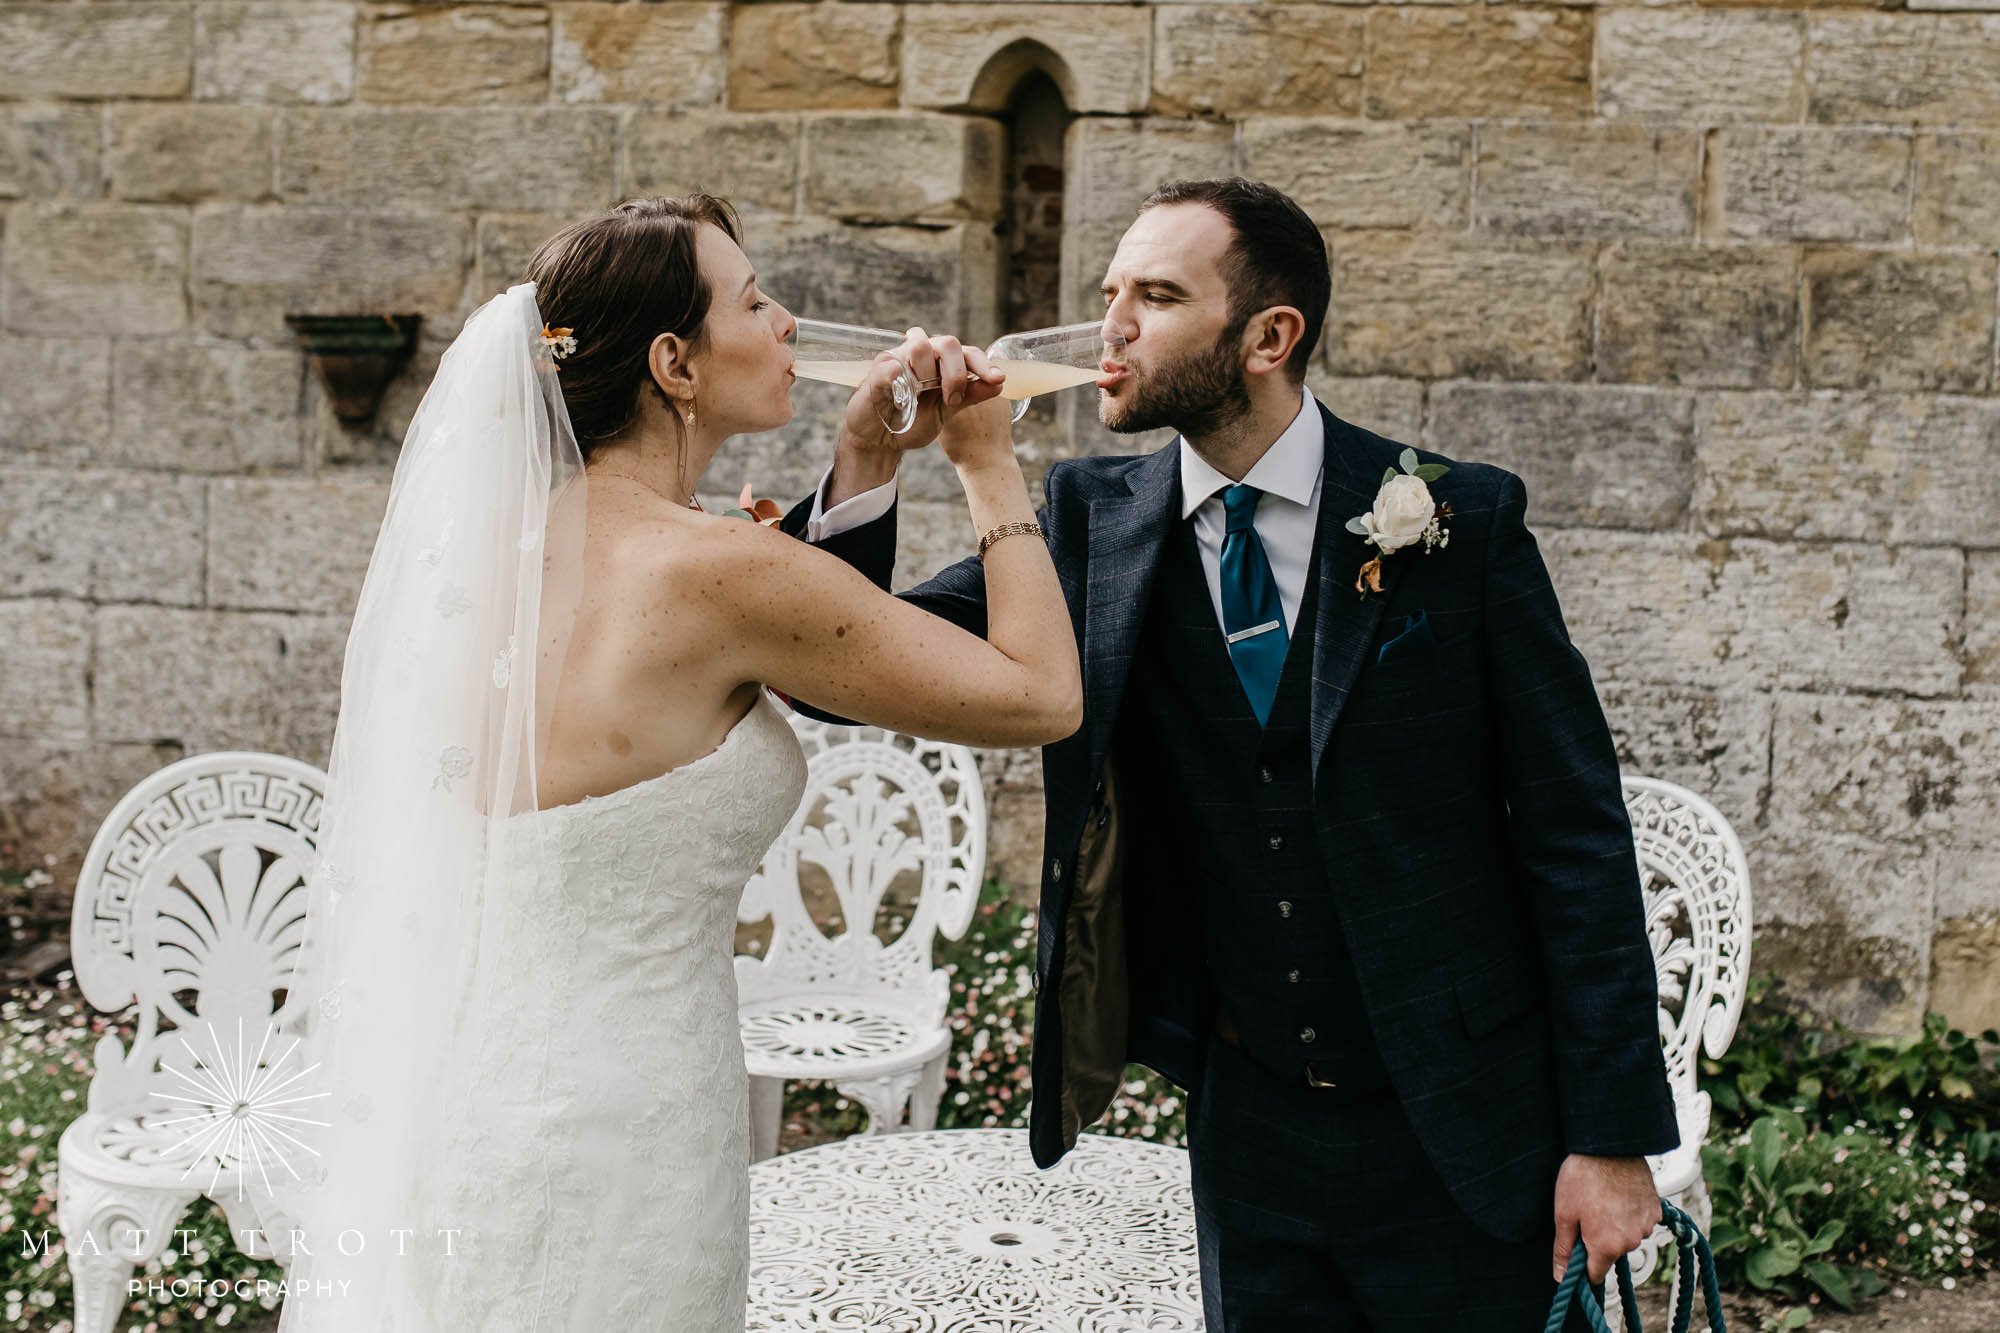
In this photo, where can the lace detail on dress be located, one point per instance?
(599, 1172)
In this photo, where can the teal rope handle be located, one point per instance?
(1696, 1263)
(1573, 1290)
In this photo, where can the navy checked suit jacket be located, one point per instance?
(1467, 800)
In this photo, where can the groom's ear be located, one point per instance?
(1271, 337)
(667, 359)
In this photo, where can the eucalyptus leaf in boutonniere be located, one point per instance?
(1404, 514)
(757, 511)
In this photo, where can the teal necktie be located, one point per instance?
(1252, 616)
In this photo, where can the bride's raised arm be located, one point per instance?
(821, 632)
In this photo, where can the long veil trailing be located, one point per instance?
(457, 644)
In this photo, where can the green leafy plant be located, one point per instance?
(1783, 1059)
(1769, 1231)
(1836, 1162)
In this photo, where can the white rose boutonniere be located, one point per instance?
(1404, 514)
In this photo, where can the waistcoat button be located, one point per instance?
(1308, 1036)
(1284, 909)
(1293, 976)
(1276, 842)
(1055, 870)
(1263, 775)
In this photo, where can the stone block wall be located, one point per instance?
(1719, 280)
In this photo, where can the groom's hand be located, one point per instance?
(868, 453)
(1610, 1202)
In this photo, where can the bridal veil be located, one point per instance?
(456, 646)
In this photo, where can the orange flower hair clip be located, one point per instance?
(560, 342)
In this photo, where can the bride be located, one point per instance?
(556, 765)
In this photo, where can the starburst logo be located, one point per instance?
(238, 1109)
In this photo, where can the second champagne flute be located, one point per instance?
(1041, 361)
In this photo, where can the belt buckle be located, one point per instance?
(1315, 1081)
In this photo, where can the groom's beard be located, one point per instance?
(1195, 395)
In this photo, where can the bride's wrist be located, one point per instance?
(990, 474)
(858, 469)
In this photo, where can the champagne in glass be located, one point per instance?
(843, 353)
(1043, 360)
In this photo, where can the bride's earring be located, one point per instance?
(692, 502)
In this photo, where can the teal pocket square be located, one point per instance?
(1416, 632)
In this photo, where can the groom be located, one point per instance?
(1340, 845)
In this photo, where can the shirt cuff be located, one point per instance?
(850, 513)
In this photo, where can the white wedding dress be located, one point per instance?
(521, 1088)
(599, 1167)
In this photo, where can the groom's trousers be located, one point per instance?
(1317, 1210)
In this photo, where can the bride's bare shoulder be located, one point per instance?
(700, 557)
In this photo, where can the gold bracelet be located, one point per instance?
(1007, 530)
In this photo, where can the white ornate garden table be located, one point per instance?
(956, 1231)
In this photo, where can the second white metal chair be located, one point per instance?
(837, 1003)
(1696, 885)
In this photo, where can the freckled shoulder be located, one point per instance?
(651, 559)
(735, 548)
(746, 571)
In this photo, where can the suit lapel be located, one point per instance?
(1346, 623)
(1128, 533)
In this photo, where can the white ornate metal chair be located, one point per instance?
(881, 811)
(1697, 891)
(192, 904)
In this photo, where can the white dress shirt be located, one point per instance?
(849, 513)
(1288, 474)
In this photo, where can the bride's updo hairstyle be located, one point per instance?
(618, 280)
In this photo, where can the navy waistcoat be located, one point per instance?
(1225, 809)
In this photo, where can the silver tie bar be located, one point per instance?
(1255, 630)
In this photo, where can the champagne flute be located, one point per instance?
(1041, 361)
(843, 354)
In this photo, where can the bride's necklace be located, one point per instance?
(691, 502)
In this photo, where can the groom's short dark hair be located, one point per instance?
(1277, 258)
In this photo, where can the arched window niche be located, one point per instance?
(1026, 86)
